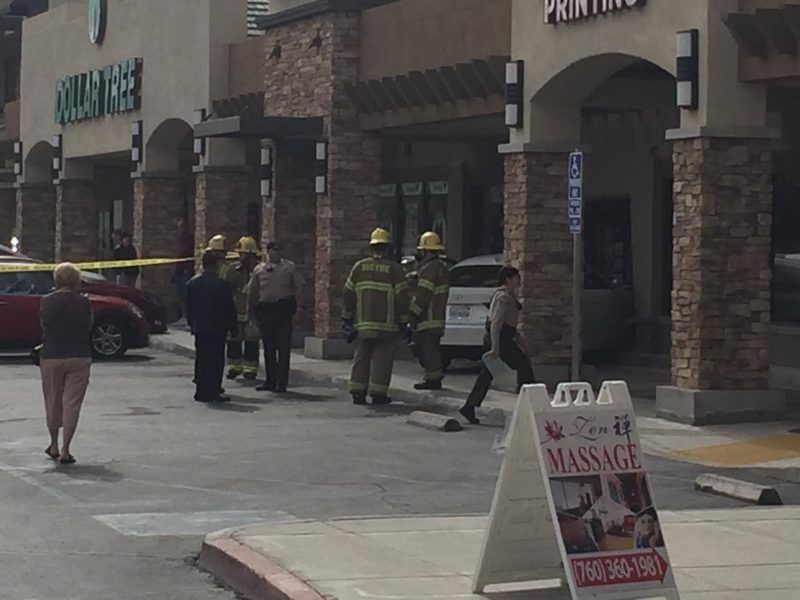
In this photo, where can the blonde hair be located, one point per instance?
(67, 276)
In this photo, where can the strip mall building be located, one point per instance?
(370, 112)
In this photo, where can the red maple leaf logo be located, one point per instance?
(554, 431)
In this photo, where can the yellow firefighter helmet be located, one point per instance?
(247, 245)
(216, 244)
(430, 241)
(380, 236)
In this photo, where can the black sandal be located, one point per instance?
(51, 455)
(68, 460)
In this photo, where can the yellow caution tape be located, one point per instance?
(93, 266)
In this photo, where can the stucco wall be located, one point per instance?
(415, 35)
(184, 46)
(565, 62)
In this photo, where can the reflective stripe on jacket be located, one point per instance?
(238, 278)
(429, 305)
(376, 297)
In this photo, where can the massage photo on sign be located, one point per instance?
(606, 513)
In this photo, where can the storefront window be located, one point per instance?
(786, 253)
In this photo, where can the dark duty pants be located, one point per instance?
(514, 357)
(275, 321)
(209, 365)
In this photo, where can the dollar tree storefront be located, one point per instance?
(107, 130)
(686, 111)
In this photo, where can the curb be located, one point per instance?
(434, 422)
(490, 416)
(745, 491)
(250, 573)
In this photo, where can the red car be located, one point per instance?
(154, 311)
(119, 325)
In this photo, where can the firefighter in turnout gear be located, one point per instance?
(428, 308)
(243, 349)
(375, 315)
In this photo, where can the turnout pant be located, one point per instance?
(209, 364)
(372, 365)
(429, 351)
(275, 321)
(514, 357)
(243, 352)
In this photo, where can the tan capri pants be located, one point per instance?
(64, 383)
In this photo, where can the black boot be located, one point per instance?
(429, 384)
(381, 400)
(359, 399)
(468, 412)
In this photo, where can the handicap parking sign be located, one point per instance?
(575, 200)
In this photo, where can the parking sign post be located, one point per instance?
(575, 208)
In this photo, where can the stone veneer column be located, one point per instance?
(157, 208)
(721, 290)
(221, 203)
(8, 214)
(538, 243)
(36, 216)
(289, 217)
(345, 217)
(76, 221)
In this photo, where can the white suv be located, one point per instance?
(607, 310)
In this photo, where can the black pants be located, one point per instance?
(209, 364)
(514, 357)
(275, 321)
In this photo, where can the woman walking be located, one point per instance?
(503, 320)
(66, 360)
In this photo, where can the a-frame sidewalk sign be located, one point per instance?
(573, 504)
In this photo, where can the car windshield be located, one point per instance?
(89, 277)
(26, 284)
(475, 276)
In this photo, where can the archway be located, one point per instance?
(619, 108)
(164, 146)
(38, 167)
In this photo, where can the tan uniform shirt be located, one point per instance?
(271, 282)
(504, 310)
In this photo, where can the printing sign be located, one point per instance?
(602, 502)
(565, 11)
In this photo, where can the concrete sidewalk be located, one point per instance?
(769, 445)
(744, 554)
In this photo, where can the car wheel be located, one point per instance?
(109, 338)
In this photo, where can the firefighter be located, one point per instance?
(428, 308)
(217, 245)
(238, 276)
(375, 315)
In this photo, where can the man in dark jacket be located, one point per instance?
(126, 276)
(211, 314)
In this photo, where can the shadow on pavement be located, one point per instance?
(233, 406)
(87, 472)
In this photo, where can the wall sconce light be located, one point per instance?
(515, 111)
(137, 145)
(58, 157)
(18, 160)
(266, 170)
(199, 144)
(321, 181)
(688, 69)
